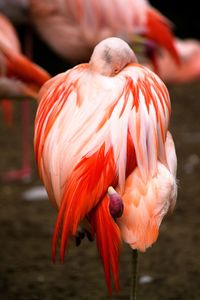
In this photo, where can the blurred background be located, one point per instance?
(184, 18)
(170, 269)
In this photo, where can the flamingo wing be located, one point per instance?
(146, 203)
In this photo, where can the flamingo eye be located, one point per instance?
(116, 70)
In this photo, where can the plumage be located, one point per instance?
(95, 128)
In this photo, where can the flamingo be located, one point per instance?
(101, 135)
(72, 28)
(19, 78)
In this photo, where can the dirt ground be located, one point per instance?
(173, 263)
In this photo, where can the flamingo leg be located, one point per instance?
(133, 295)
(24, 173)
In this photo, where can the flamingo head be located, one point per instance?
(110, 56)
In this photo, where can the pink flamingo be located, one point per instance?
(72, 27)
(19, 78)
(101, 136)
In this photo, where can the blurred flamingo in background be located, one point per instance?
(72, 28)
(101, 134)
(19, 78)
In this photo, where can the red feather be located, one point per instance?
(108, 241)
(87, 184)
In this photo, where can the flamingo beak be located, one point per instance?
(159, 31)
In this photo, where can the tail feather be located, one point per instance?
(108, 241)
(159, 31)
(84, 188)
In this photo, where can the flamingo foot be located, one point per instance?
(81, 233)
(24, 174)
